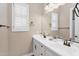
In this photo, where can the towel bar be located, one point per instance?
(4, 26)
(63, 28)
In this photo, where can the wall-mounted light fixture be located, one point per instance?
(51, 6)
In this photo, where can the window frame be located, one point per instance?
(14, 28)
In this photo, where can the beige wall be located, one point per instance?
(3, 30)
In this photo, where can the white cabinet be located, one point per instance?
(40, 49)
(36, 48)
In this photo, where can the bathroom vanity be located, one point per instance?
(55, 47)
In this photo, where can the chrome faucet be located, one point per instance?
(67, 43)
(44, 35)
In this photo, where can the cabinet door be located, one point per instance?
(36, 48)
(42, 49)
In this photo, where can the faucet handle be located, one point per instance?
(65, 42)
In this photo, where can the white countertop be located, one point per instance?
(57, 46)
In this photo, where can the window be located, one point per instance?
(20, 17)
(54, 22)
